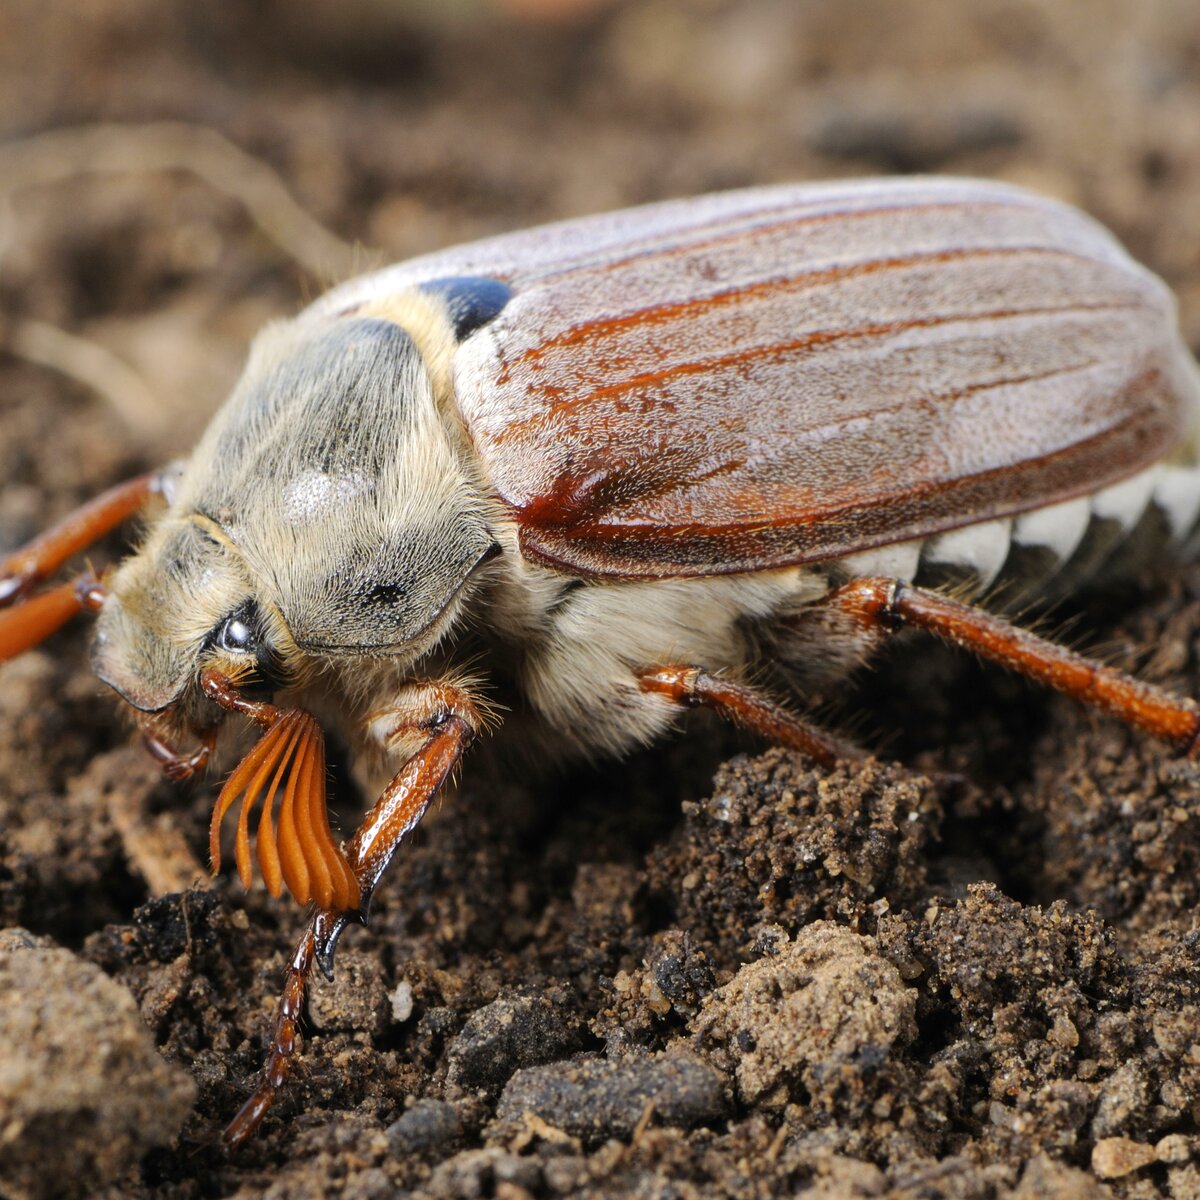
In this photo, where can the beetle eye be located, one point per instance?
(236, 636)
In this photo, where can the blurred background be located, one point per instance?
(172, 174)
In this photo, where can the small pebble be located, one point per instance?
(1117, 1156)
(595, 1100)
(1174, 1148)
(401, 999)
(428, 1125)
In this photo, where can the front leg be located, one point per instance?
(444, 719)
(26, 618)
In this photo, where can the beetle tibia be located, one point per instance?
(32, 621)
(21, 572)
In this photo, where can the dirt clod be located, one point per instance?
(83, 1093)
(510, 1033)
(779, 842)
(815, 1021)
(355, 998)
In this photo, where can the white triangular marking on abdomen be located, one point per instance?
(1126, 501)
(898, 561)
(980, 548)
(1177, 494)
(1059, 528)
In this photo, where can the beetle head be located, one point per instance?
(181, 604)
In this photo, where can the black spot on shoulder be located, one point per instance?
(473, 300)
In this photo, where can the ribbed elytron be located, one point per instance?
(618, 464)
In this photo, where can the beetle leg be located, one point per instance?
(692, 687)
(33, 618)
(22, 571)
(176, 765)
(447, 720)
(30, 623)
(881, 606)
(283, 1040)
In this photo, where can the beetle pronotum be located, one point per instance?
(624, 460)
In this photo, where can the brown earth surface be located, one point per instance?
(968, 969)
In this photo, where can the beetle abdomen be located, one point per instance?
(1052, 549)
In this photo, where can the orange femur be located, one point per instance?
(301, 852)
(31, 622)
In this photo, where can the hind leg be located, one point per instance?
(881, 607)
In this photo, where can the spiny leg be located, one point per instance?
(30, 619)
(31, 622)
(448, 721)
(693, 687)
(23, 570)
(882, 606)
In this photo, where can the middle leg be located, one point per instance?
(693, 687)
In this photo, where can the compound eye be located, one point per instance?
(236, 636)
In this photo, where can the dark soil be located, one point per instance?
(967, 969)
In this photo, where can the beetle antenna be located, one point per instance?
(287, 761)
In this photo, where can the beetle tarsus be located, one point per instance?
(283, 1044)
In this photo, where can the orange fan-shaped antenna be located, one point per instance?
(300, 851)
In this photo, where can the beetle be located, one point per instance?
(617, 463)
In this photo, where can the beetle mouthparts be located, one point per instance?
(301, 852)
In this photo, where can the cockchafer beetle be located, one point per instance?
(622, 460)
